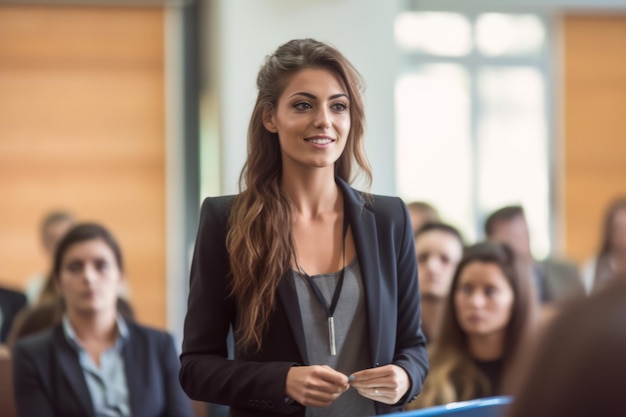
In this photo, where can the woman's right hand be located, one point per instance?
(316, 385)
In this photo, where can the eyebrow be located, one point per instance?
(309, 95)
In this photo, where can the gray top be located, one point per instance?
(351, 333)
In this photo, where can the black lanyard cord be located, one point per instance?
(316, 290)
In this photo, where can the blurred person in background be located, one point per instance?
(11, 303)
(421, 213)
(554, 280)
(53, 227)
(34, 319)
(49, 308)
(439, 248)
(95, 363)
(489, 315)
(611, 259)
(578, 367)
(46, 305)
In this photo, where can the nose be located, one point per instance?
(433, 264)
(322, 118)
(89, 274)
(476, 299)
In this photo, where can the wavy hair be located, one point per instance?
(603, 271)
(259, 240)
(453, 376)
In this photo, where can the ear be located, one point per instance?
(268, 120)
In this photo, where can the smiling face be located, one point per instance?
(89, 278)
(312, 119)
(483, 299)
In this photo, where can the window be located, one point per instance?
(473, 117)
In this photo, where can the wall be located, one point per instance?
(82, 128)
(248, 30)
(594, 152)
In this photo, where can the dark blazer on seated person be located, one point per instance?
(11, 302)
(562, 279)
(253, 384)
(49, 381)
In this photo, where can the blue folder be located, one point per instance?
(481, 407)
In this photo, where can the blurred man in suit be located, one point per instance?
(53, 227)
(11, 302)
(554, 280)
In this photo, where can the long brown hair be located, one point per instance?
(450, 359)
(259, 240)
(603, 262)
(578, 368)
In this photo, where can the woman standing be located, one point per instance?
(95, 363)
(318, 280)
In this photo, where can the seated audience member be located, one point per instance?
(422, 213)
(35, 319)
(11, 303)
(554, 280)
(611, 259)
(94, 362)
(439, 248)
(578, 368)
(54, 225)
(489, 314)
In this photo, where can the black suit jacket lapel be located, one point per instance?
(363, 225)
(132, 354)
(68, 360)
(289, 298)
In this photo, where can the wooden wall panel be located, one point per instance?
(82, 128)
(595, 125)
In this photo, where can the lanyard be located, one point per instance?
(330, 310)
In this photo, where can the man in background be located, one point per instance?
(422, 213)
(11, 302)
(554, 280)
(53, 227)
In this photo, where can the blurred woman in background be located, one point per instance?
(611, 258)
(489, 311)
(95, 363)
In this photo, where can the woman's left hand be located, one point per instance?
(386, 384)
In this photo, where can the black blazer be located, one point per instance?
(253, 385)
(11, 302)
(49, 381)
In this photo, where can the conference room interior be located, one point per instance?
(129, 113)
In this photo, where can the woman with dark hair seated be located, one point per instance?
(488, 313)
(95, 363)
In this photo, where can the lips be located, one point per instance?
(474, 318)
(87, 294)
